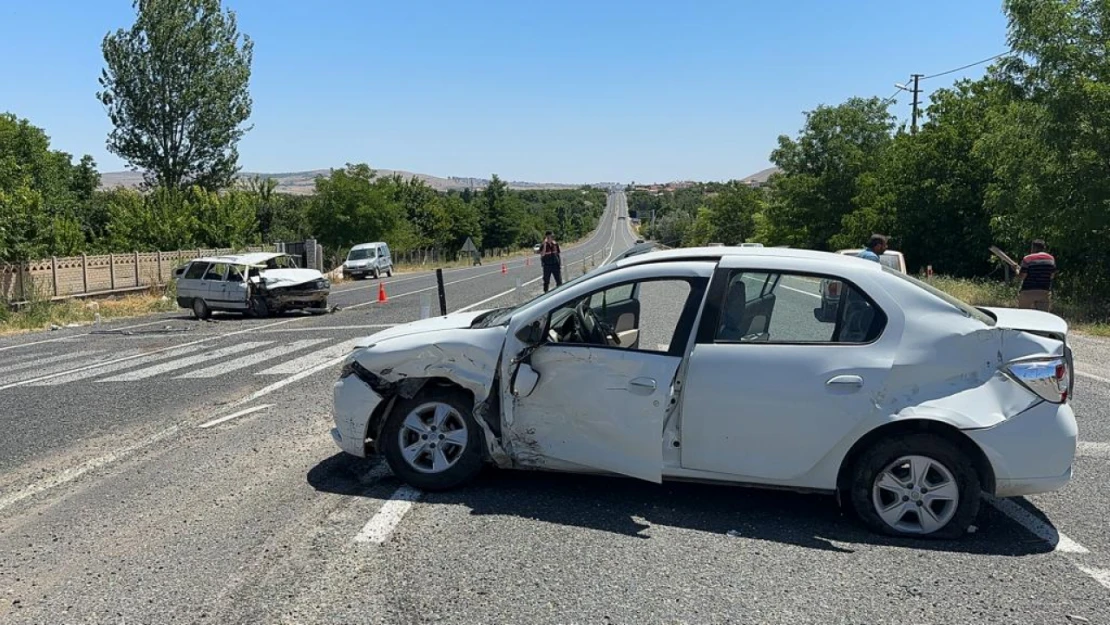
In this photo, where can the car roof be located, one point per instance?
(253, 258)
(716, 253)
(857, 250)
(361, 246)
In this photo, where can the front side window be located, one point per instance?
(757, 307)
(647, 315)
(196, 271)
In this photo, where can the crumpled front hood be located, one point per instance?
(278, 278)
(453, 321)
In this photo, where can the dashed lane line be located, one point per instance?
(382, 524)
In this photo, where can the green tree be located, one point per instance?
(176, 90)
(732, 213)
(821, 169)
(349, 208)
(501, 215)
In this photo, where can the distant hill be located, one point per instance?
(760, 177)
(303, 182)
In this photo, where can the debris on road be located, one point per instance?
(735, 534)
(162, 330)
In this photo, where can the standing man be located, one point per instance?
(876, 245)
(1036, 273)
(551, 260)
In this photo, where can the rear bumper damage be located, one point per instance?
(1032, 452)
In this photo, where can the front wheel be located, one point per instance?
(919, 486)
(259, 308)
(432, 441)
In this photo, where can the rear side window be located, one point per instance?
(196, 271)
(215, 271)
(761, 307)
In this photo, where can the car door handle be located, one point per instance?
(845, 380)
(642, 384)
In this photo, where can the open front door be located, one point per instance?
(597, 407)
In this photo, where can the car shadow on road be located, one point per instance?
(631, 507)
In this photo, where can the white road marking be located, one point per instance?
(501, 294)
(164, 349)
(334, 328)
(181, 363)
(60, 338)
(49, 360)
(234, 415)
(250, 359)
(23, 377)
(311, 360)
(1046, 532)
(266, 390)
(382, 524)
(1101, 576)
(118, 366)
(1092, 376)
(73, 473)
(1098, 450)
(7, 364)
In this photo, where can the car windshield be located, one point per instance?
(890, 260)
(364, 253)
(963, 306)
(501, 316)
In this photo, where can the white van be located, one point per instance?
(368, 259)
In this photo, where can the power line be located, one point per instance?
(951, 71)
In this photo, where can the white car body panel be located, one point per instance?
(761, 413)
(280, 278)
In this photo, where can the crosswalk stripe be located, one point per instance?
(181, 363)
(250, 359)
(311, 360)
(49, 360)
(118, 366)
(90, 359)
(8, 364)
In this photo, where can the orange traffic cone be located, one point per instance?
(504, 269)
(381, 293)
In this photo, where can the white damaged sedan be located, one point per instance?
(719, 365)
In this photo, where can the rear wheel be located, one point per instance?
(200, 309)
(432, 441)
(920, 486)
(389, 272)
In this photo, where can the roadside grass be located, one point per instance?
(1082, 318)
(41, 313)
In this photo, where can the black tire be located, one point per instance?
(389, 272)
(259, 308)
(872, 462)
(377, 274)
(200, 309)
(469, 460)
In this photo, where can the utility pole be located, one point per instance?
(916, 91)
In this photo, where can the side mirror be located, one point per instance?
(531, 334)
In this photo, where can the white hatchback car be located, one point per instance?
(712, 364)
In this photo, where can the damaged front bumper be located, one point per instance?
(354, 403)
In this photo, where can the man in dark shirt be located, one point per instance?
(1036, 273)
(551, 260)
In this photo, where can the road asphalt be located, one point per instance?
(128, 495)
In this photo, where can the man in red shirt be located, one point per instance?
(1036, 273)
(550, 259)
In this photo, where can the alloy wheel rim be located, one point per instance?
(915, 495)
(433, 437)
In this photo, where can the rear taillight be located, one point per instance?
(1048, 378)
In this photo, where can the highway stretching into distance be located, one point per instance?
(166, 470)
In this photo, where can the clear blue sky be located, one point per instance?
(569, 91)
